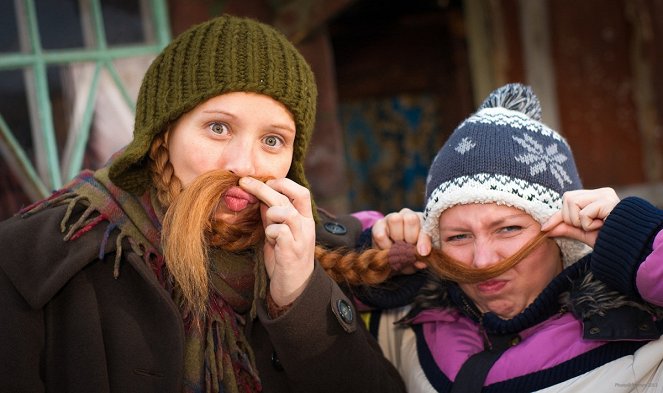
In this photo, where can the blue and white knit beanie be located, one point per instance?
(503, 154)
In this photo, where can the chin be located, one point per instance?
(505, 312)
(507, 316)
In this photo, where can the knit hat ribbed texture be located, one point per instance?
(503, 154)
(225, 54)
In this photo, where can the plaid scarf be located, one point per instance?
(218, 357)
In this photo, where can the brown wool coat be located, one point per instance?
(69, 326)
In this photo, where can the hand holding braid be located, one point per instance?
(373, 266)
(368, 267)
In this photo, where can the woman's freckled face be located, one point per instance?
(247, 134)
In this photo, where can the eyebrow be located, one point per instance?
(215, 111)
(496, 223)
(285, 128)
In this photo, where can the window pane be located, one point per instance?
(8, 29)
(14, 107)
(61, 105)
(123, 22)
(59, 24)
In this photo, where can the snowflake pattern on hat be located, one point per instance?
(541, 159)
(465, 145)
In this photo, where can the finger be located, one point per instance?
(553, 221)
(589, 216)
(560, 230)
(298, 226)
(570, 210)
(424, 244)
(420, 265)
(600, 205)
(262, 191)
(395, 227)
(271, 234)
(569, 231)
(594, 225)
(278, 233)
(279, 192)
(583, 207)
(279, 214)
(411, 226)
(380, 235)
(410, 269)
(298, 195)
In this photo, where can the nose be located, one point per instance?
(485, 254)
(238, 157)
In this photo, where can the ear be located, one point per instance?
(166, 136)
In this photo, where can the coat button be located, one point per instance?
(594, 330)
(345, 311)
(276, 363)
(335, 228)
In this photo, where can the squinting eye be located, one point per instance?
(271, 141)
(218, 128)
(456, 237)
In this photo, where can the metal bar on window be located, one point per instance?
(44, 140)
(98, 25)
(59, 56)
(20, 164)
(118, 83)
(79, 131)
(79, 134)
(160, 18)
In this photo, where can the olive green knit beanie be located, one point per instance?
(223, 55)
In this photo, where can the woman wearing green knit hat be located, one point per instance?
(188, 262)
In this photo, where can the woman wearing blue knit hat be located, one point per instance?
(533, 284)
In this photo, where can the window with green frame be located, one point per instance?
(69, 74)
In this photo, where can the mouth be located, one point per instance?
(491, 286)
(236, 199)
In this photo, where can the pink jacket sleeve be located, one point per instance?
(649, 278)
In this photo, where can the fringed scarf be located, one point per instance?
(218, 357)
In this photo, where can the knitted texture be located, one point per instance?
(618, 253)
(225, 54)
(401, 255)
(503, 154)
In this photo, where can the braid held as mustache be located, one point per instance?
(366, 267)
(372, 266)
(189, 230)
(454, 270)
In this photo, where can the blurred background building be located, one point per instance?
(395, 77)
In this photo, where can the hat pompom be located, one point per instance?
(515, 97)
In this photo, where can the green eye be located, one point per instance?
(218, 128)
(271, 141)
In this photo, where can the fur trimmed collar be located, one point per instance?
(575, 289)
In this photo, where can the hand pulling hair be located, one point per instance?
(198, 232)
(374, 266)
